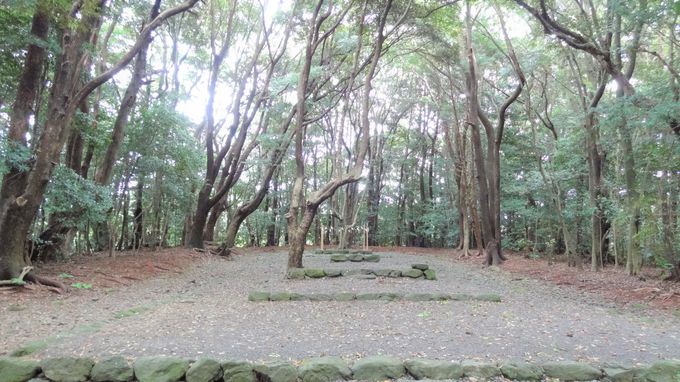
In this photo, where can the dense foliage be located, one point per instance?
(588, 147)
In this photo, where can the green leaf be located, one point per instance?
(82, 285)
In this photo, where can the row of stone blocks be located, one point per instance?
(355, 257)
(258, 296)
(417, 271)
(378, 368)
(341, 252)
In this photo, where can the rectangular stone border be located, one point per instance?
(173, 369)
(261, 296)
(341, 252)
(355, 258)
(317, 273)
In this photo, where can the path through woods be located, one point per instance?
(196, 305)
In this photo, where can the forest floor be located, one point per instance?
(178, 302)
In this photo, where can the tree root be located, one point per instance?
(57, 286)
(19, 280)
(27, 276)
(224, 252)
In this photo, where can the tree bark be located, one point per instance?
(215, 214)
(138, 215)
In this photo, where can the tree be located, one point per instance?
(226, 158)
(606, 48)
(488, 166)
(23, 188)
(303, 209)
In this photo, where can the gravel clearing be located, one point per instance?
(204, 312)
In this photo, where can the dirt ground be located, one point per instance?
(103, 272)
(126, 268)
(179, 302)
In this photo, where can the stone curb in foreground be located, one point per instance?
(377, 368)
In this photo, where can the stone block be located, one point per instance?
(571, 371)
(324, 369)
(160, 369)
(378, 368)
(112, 369)
(67, 369)
(17, 370)
(434, 369)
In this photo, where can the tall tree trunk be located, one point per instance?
(22, 190)
(374, 187)
(139, 214)
(200, 217)
(272, 236)
(122, 241)
(215, 213)
(14, 225)
(669, 227)
(489, 243)
(401, 207)
(488, 168)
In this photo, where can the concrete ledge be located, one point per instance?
(376, 368)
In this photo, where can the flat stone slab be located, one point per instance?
(571, 371)
(412, 273)
(339, 258)
(422, 267)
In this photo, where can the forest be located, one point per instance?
(550, 128)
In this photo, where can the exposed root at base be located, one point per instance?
(225, 253)
(19, 280)
(53, 285)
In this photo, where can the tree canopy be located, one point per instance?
(551, 128)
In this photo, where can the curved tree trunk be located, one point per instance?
(215, 213)
(299, 227)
